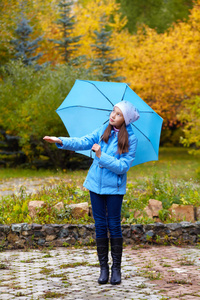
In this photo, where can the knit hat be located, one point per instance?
(130, 113)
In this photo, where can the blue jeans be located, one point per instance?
(106, 211)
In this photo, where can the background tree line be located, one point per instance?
(46, 45)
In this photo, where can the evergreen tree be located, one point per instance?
(23, 45)
(104, 63)
(68, 44)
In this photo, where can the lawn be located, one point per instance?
(174, 162)
(177, 163)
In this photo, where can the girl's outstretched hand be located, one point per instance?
(52, 139)
(97, 149)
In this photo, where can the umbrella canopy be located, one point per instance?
(89, 104)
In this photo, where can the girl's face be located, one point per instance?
(116, 117)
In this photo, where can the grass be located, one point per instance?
(186, 262)
(152, 275)
(73, 265)
(94, 265)
(166, 265)
(48, 255)
(46, 271)
(149, 265)
(174, 161)
(57, 275)
(28, 261)
(141, 286)
(3, 266)
(171, 179)
(56, 295)
(7, 173)
(180, 281)
(20, 294)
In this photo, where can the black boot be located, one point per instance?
(102, 251)
(116, 253)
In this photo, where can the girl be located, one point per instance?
(114, 146)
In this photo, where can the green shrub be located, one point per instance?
(163, 189)
(198, 172)
(28, 103)
(190, 117)
(163, 214)
(14, 209)
(169, 192)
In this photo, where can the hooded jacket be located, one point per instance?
(107, 174)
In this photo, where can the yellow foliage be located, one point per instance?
(190, 116)
(88, 20)
(47, 13)
(8, 12)
(163, 68)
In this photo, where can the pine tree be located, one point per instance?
(68, 44)
(23, 45)
(104, 63)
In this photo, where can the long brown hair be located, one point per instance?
(123, 144)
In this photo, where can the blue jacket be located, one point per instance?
(107, 174)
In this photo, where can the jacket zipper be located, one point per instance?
(100, 181)
(118, 182)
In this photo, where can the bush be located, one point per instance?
(14, 209)
(171, 136)
(190, 116)
(162, 189)
(28, 103)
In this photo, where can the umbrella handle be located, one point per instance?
(98, 144)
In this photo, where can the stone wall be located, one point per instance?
(34, 235)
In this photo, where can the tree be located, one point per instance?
(190, 116)
(68, 44)
(88, 16)
(104, 62)
(28, 103)
(7, 23)
(159, 14)
(24, 47)
(163, 69)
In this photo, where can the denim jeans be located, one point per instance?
(106, 211)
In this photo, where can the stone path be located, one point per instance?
(148, 272)
(151, 273)
(30, 185)
(175, 271)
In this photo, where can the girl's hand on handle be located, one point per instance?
(52, 139)
(97, 149)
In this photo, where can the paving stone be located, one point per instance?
(81, 282)
(6, 297)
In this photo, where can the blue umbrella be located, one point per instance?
(89, 104)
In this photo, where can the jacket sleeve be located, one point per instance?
(123, 164)
(83, 143)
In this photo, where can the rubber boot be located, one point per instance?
(102, 251)
(116, 253)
